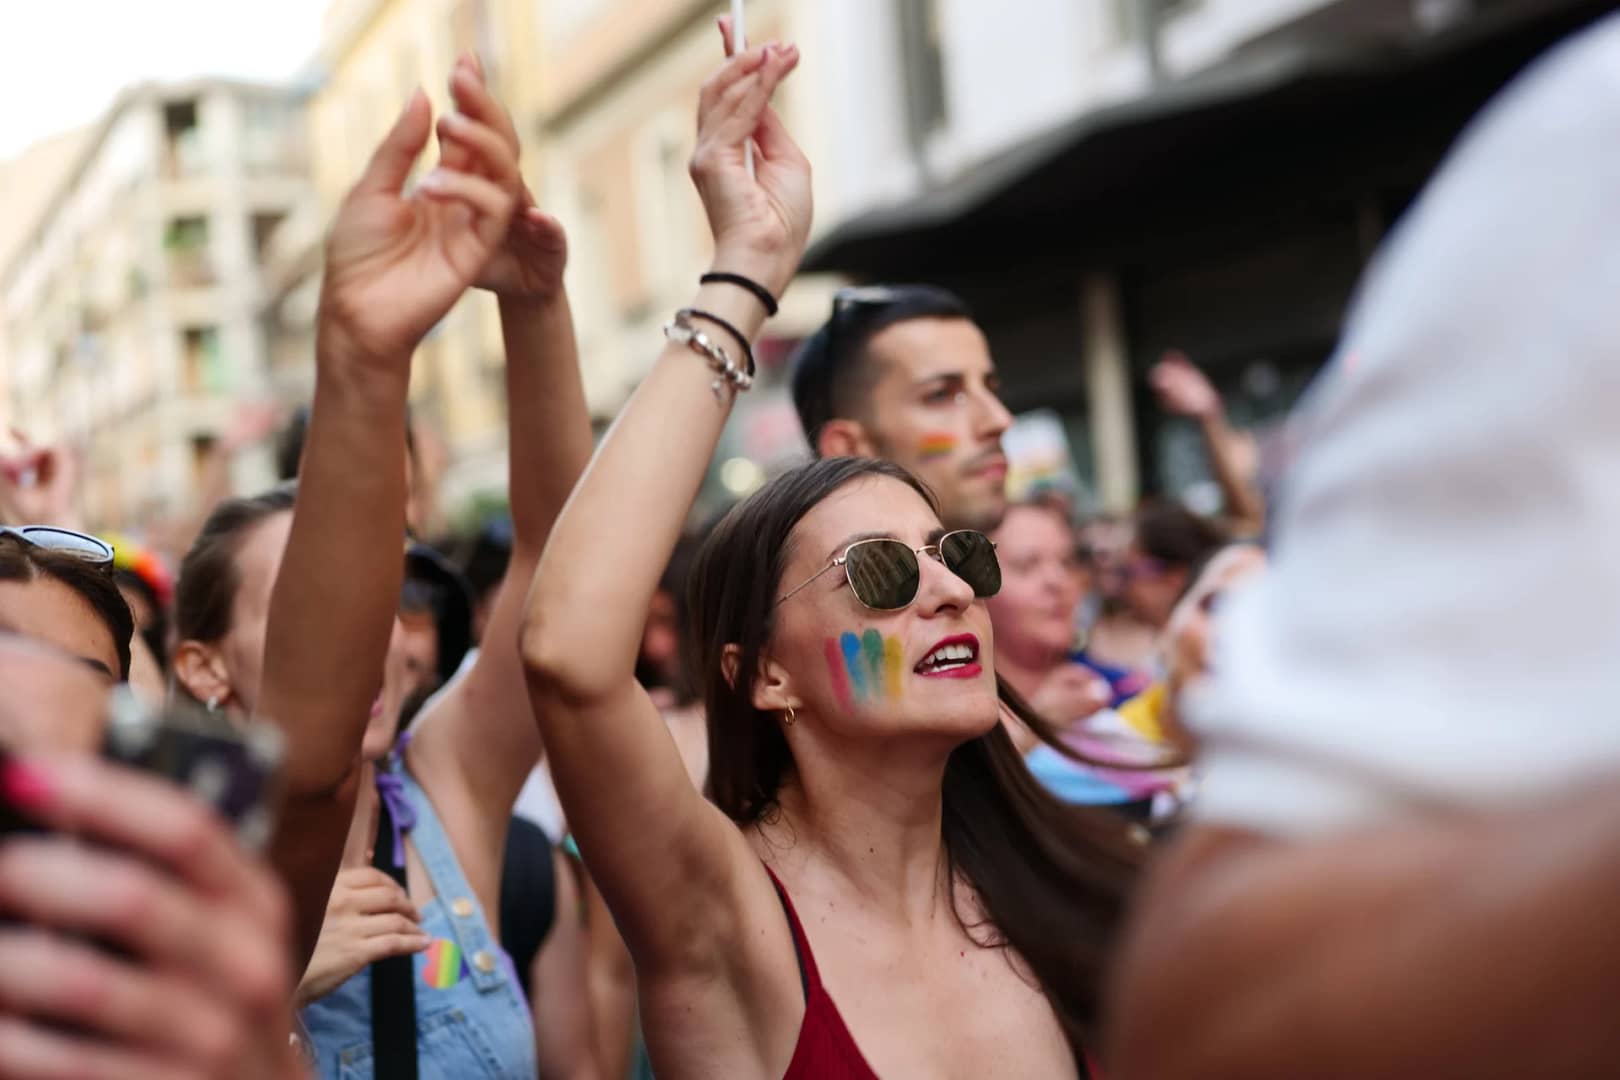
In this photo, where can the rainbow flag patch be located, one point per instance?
(442, 967)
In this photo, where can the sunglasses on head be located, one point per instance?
(852, 299)
(884, 574)
(63, 541)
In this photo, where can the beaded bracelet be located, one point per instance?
(682, 332)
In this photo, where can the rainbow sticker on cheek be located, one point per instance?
(936, 444)
(865, 667)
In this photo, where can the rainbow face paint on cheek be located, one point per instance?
(865, 667)
(936, 444)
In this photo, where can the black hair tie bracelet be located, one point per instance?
(718, 277)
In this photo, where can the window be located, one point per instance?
(182, 131)
(205, 362)
(186, 242)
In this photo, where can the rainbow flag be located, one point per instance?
(441, 968)
(933, 446)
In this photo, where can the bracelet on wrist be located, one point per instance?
(741, 338)
(723, 277)
(682, 331)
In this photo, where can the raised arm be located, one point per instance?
(394, 266)
(478, 741)
(1186, 391)
(1480, 947)
(662, 856)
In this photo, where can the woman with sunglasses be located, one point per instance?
(878, 887)
(140, 939)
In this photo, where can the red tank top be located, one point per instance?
(826, 1050)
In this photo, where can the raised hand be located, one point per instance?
(1183, 389)
(1071, 694)
(395, 263)
(761, 222)
(38, 485)
(530, 261)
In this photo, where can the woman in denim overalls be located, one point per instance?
(471, 1019)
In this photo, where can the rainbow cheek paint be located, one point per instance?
(936, 444)
(865, 667)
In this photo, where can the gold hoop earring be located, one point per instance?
(791, 716)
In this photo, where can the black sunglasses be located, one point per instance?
(63, 541)
(884, 574)
(852, 299)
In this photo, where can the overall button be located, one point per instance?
(462, 907)
(483, 961)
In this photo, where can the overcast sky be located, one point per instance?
(63, 61)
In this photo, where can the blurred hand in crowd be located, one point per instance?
(1182, 389)
(529, 263)
(142, 942)
(39, 485)
(1071, 694)
(396, 262)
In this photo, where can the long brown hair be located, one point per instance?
(1053, 878)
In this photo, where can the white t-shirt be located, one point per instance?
(1440, 624)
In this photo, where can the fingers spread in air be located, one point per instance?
(66, 981)
(474, 100)
(739, 110)
(392, 161)
(484, 197)
(733, 71)
(488, 152)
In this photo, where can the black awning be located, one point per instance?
(1240, 143)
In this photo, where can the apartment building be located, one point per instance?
(129, 304)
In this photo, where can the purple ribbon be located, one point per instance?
(391, 790)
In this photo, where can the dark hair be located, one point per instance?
(156, 633)
(290, 444)
(206, 592)
(1176, 536)
(1052, 877)
(831, 375)
(22, 561)
(676, 584)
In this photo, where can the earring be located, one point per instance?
(791, 716)
(213, 702)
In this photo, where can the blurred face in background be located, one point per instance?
(1187, 639)
(1151, 586)
(1042, 584)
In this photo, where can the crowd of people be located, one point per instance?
(882, 773)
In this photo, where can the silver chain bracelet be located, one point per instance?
(684, 332)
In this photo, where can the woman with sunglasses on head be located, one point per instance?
(878, 887)
(141, 940)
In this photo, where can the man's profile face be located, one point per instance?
(934, 409)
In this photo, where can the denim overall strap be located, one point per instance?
(485, 962)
